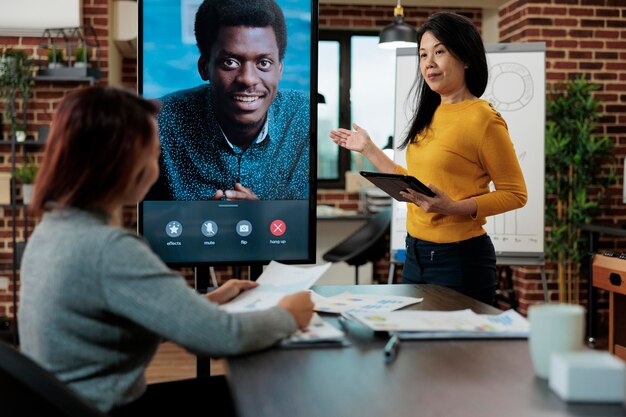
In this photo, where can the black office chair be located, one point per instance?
(26, 389)
(505, 291)
(364, 245)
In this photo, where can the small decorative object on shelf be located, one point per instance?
(16, 81)
(26, 175)
(20, 135)
(55, 57)
(83, 53)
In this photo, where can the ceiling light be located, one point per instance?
(398, 34)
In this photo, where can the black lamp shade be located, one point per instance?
(398, 35)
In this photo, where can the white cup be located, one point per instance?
(554, 328)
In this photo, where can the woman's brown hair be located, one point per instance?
(96, 136)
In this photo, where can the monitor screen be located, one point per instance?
(236, 89)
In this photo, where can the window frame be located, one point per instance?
(344, 38)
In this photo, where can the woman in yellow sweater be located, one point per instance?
(458, 144)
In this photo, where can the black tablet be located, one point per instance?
(392, 184)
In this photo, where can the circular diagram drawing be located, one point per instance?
(510, 86)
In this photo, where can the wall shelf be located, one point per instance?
(27, 142)
(41, 139)
(82, 48)
(84, 79)
(17, 205)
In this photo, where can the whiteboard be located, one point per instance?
(516, 88)
(31, 17)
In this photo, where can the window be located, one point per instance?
(357, 80)
(327, 109)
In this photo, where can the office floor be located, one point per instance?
(172, 363)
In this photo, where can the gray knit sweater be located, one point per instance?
(95, 301)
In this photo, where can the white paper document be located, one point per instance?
(347, 301)
(414, 324)
(275, 282)
(317, 332)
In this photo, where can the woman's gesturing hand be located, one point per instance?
(357, 140)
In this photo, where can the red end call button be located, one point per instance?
(278, 228)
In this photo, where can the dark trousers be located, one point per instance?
(468, 267)
(208, 396)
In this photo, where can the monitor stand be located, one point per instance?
(205, 280)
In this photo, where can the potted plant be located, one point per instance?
(26, 174)
(81, 55)
(55, 57)
(16, 81)
(576, 182)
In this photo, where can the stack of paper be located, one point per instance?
(275, 282)
(414, 324)
(318, 332)
(347, 301)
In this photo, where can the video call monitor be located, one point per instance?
(236, 86)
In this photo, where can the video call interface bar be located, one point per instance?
(227, 231)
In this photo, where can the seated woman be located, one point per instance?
(95, 300)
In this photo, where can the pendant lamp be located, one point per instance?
(398, 34)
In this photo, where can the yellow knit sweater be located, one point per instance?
(465, 148)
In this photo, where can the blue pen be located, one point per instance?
(391, 348)
(343, 322)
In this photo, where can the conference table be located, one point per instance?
(446, 378)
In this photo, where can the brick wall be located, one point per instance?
(582, 37)
(129, 73)
(45, 97)
(339, 198)
(376, 17)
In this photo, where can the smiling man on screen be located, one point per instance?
(238, 137)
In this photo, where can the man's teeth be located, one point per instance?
(246, 99)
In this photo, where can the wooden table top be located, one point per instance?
(467, 378)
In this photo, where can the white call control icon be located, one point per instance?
(244, 228)
(209, 228)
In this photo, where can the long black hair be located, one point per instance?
(461, 38)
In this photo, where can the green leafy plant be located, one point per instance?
(27, 172)
(81, 54)
(16, 81)
(575, 157)
(55, 55)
